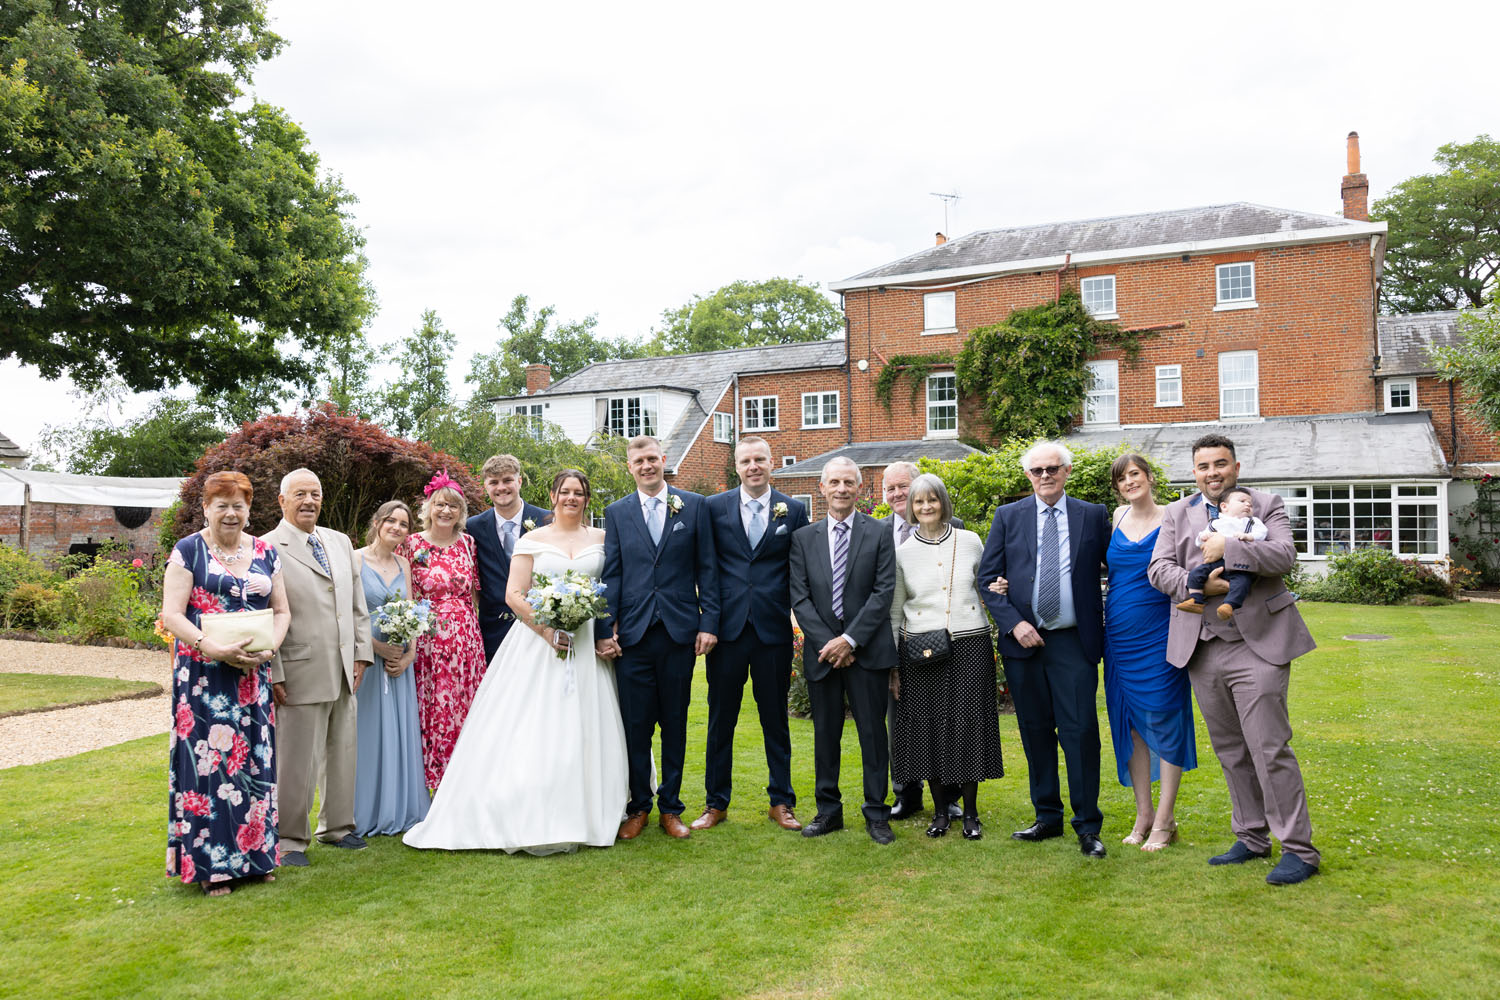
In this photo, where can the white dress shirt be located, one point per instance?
(832, 538)
(1067, 617)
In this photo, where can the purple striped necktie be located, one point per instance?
(840, 565)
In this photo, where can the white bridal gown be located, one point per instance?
(540, 764)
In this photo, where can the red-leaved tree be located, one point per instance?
(360, 465)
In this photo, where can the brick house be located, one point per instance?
(57, 514)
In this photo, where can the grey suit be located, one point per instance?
(316, 739)
(869, 584)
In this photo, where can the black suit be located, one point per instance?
(495, 616)
(869, 585)
(755, 641)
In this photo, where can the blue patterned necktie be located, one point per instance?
(1049, 572)
(1213, 510)
(508, 540)
(654, 522)
(318, 553)
(840, 564)
(757, 523)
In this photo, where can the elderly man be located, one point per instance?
(1050, 547)
(316, 672)
(895, 486)
(843, 576)
(1240, 666)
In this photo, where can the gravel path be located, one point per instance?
(42, 736)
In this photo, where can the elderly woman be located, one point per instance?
(390, 791)
(450, 659)
(946, 729)
(221, 807)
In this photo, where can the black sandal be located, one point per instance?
(939, 825)
(973, 830)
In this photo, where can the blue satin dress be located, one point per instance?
(390, 792)
(1141, 689)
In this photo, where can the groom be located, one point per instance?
(662, 585)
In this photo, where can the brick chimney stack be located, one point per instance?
(538, 377)
(941, 239)
(1356, 187)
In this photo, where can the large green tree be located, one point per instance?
(154, 225)
(535, 336)
(1475, 361)
(1444, 242)
(165, 441)
(751, 314)
(420, 388)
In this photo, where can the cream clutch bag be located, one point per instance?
(228, 628)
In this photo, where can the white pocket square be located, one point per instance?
(781, 530)
(678, 526)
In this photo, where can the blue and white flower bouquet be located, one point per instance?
(566, 602)
(402, 619)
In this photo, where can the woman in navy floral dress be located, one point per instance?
(221, 810)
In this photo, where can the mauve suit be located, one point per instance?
(1240, 668)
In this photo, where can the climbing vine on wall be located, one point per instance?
(913, 367)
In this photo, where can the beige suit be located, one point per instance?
(316, 743)
(1240, 668)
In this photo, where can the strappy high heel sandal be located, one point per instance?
(1159, 839)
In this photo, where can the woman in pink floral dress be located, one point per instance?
(450, 660)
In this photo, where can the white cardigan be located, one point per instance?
(922, 572)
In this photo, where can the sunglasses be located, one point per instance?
(1044, 470)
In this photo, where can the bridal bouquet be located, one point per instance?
(402, 620)
(565, 602)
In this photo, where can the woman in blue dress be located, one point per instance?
(221, 804)
(1150, 702)
(390, 792)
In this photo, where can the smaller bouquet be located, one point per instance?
(566, 602)
(402, 619)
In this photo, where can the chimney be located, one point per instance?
(941, 239)
(1356, 187)
(538, 377)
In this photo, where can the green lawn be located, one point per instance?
(28, 692)
(1397, 739)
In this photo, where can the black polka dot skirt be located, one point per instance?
(947, 722)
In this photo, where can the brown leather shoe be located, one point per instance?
(711, 818)
(784, 818)
(633, 825)
(674, 826)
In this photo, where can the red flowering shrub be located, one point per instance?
(360, 465)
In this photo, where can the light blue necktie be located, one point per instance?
(757, 523)
(840, 565)
(654, 522)
(319, 554)
(1049, 572)
(508, 540)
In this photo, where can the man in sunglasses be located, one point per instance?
(1050, 547)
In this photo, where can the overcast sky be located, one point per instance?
(618, 159)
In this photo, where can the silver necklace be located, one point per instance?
(225, 557)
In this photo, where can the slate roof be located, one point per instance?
(992, 248)
(1297, 449)
(705, 375)
(880, 453)
(1405, 340)
(10, 452)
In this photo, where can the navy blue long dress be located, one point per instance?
(1141, 689)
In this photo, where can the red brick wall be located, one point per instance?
(55, 527)
(1476, 442)
(790, 438)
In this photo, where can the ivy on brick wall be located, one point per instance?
(914, 368)
(1029, 371)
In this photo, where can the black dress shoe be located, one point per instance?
(973, 830)
(296, 859)
(939, 825)
(880, 831)
(906, 808)
(1091, 845)
(823, 824)
(348, 842)
(1038, 831)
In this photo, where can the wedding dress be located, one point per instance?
(540, 764)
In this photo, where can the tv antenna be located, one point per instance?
(948, 199)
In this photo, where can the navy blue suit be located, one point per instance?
(495, 616)
(1054, 686)
(660, 597)
(755, 642)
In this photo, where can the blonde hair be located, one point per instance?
(499, 465)
(424, 515)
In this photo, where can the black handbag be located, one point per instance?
(935, 648)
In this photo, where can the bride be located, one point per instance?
(540, 764)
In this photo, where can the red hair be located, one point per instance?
(227, 484)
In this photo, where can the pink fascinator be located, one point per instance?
(440, 482)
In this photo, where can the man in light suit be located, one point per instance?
(895, 486)
(843, 577)
(495, 532)
(316, 672)
(1240, 667)
(1050, 546)
(662, 585)
(753, 526)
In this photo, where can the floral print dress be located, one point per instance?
(450, 659)
(221, 808)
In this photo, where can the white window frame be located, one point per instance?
(1253, 385)
(1099, 282)
(944, 406)
(948, 312)
(787, 461)
(1410, 385)
(648, 415)
(724, 427)
(532, 414)
(759, 423)
(1325, 518)
(806, 499)
(1240, 301)
(822, 421)
(1168, 375)
(1101, 405)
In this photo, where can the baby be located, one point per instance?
(1237, 520)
